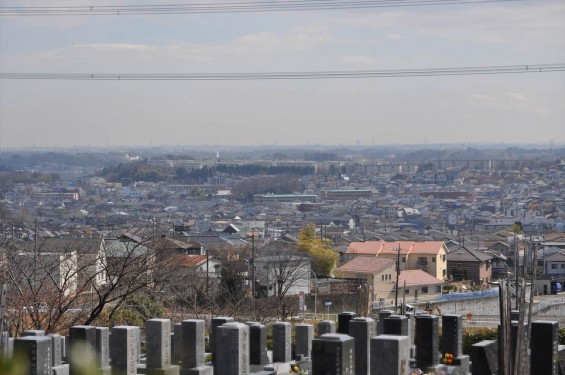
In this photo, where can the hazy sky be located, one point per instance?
(491, 108)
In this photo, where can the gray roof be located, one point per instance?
(462, 254)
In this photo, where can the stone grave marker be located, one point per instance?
(102, 352)
(82, 348)
(158, 347)
(362, 329)
(258, 344)
(484, 356)
(124, 346)
(304, 334)
(233, 343)
(326, 326)
(343, 319)
(333, 354)
(282, 340)
(544, 347)
(427, 342)
(390, 355)
(397, 325)
(381, 322)
(36, 352)
(216, 322)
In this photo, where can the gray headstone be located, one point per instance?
(343, 319)
(452, 334)
(390, 354)
(158, 343)
(82, 347)
(411, 326)
(484, 356)
(233, 343)
(123, 343)
(304, 334)
(33, 332)
(333, 354)
(258, 344)
(102, 354)
(56, 349)
(427, 341)
(192, 343)
(544, 346)
(137, 332)
(381, 322)
(362, 329)
(282, 350)
(396, 325)
(216, 322)
(561, 359)
(35, 351)
(326, 326)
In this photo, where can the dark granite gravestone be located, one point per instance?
(123, 350)
(158, 347)
(333, 354)
(326, 326)
(544, 346)
(36, 352)
(303, 336)
(343, 319)
(82, 347)
(381, 322)
(452, 334)
(282, 349)
(216, 322)
(396, 325)
(484, 356)
(390, 355)
(362, 329)
(427, 341)
(233, 344)
(102, 350)
(258, 344)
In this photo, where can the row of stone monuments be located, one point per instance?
(394, 344)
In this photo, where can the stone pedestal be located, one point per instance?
(390, 355)
(333, 354)
(326, 326)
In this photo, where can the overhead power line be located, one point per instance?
(230, 7)
(431, 72)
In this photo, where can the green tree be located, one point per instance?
(323, 258)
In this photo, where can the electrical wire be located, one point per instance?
(229, 7)
(394, 73)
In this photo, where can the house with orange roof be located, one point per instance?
(417, 285)
(428, 256)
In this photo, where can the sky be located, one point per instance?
(512, 108)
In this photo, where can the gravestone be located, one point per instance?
(216, 322)
(427, 341)
(333, 354)
(411, 326)
(362, 329)
(258, 344)
(102, 353)
(123, 344)
(326, 326)
(544, 346)
(282, 350)
(137, 333)
(390, 355)
(36, 352)
(561, 359)
(82, 348)
(452, 334)
(56, 349)
(233, 344)
(343, 319)
(397, 325)
(193, 348)
(484, 356)
(381, 322)
(158, 347)
(176, 344)
(304, 334)
(33, 332)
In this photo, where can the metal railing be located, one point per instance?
(547, 304)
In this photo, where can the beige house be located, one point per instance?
(379, 274)
(417, 285)
(428, 256)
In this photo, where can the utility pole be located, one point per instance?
(253, 267)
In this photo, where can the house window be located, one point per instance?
(403, 259)
(444, 273)
(407, 291)
(554, 266)
(382, 277)
(425, 289)
(422, 260)
(433, 259)
(438, 289)
(563, 266)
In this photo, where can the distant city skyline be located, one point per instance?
(477, 109)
